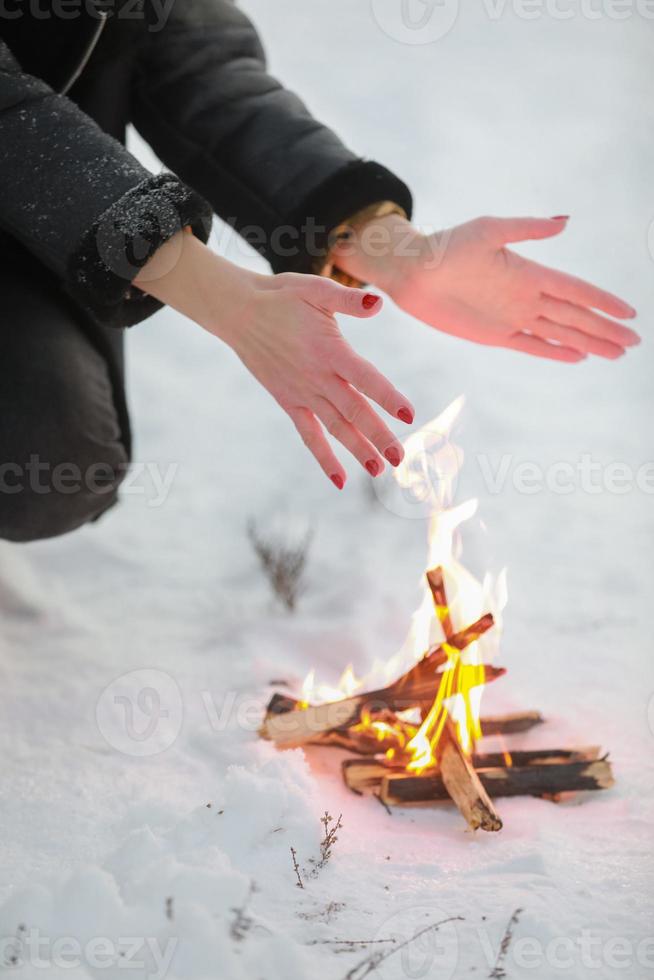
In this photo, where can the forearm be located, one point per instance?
(196, 282)
(83, 206)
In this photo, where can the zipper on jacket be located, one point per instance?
(88, 51)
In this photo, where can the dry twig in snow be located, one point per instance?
(498, 971)
(296, 868)
(370, 964)
(283, 563)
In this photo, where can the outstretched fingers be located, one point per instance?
(349, 436)
(314, 439)
(359, 413)
(563, 286)
(576, 339)
(365, 377)
(591, 323)
(530, 344)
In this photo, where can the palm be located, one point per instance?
(467, 283)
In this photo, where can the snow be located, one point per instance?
(503, 114)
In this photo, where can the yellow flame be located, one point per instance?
(460, 686)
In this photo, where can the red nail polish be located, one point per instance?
(393, 456)
(337, 480)
(369, 301)
(373, 467)
(406, 415)
(560, 217)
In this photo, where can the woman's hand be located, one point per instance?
(466, 282)
(288, 338)
(283, 329)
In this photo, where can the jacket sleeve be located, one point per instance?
(83, 205)
(204, 101)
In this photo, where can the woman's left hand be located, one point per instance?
(466, 282)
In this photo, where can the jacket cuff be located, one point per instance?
(123, 239)
(351, 189)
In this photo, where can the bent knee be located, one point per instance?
(47, 497)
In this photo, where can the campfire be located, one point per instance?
(415, 724)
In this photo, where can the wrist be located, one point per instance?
(382, 252)
(187, 275)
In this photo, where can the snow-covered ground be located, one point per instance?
(101, 839)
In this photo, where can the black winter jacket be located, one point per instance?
(195, 85)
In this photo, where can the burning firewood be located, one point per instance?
(436, 583)
(405, 761)
(463, 785)
(296, 726)
(366, 775)
(547, 773)
(386, 730)
(548, 781)
(513, 724)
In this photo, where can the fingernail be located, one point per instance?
(369, 301)
(406, 415)
(560, 217)
(373, 467)
(393, 456)
(337, 480)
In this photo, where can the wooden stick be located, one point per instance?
(367, 743)
(436, 583)
(511, 724)
(367, 775)
(534, 780)
(299, 726)
(463, 785)
(414, 689)
(362, 775)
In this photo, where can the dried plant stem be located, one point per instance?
(498, 971)
(296, 868)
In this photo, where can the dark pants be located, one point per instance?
(64, 427)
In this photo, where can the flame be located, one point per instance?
(461, 685)
(506, 755)
(428, 473)
(314, 693)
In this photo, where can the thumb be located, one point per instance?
(335, 298)
(507, 230)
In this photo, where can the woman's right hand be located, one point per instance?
(287, 336)
(284, 330)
